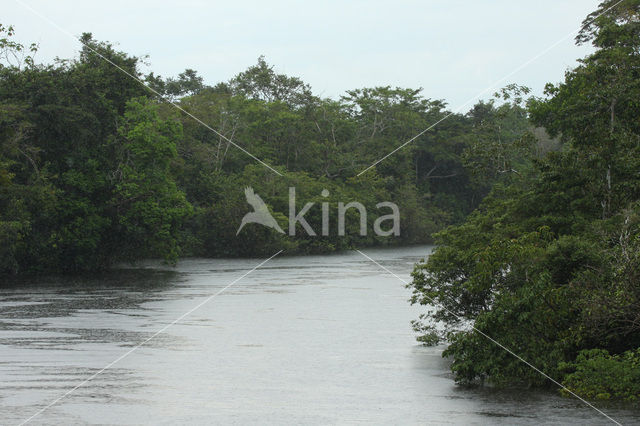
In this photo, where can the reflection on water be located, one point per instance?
(312, 340)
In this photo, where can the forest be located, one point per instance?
(97, 168)
(549, 263)
(533, 203)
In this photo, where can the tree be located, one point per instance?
(546, 265)
(261, 82)
(147, 205)
(500, 145)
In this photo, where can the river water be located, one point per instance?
(301, 340)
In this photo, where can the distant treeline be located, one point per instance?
(96, 169)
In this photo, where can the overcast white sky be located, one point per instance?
(452, 48)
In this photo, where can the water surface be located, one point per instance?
(302, 340)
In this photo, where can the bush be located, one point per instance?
(597, 374)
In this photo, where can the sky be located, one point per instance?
(455, 50)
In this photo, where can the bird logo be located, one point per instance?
(260, 213)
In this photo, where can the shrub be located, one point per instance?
(597, 374)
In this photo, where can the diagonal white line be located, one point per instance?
(62, 30)
(129, 352)
(505, 348)
(491, 87)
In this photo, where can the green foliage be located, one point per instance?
(499, 147)
(85, 170)
(12, 53)
(319, 144)
(94, 171)
(597, 374)
(150, 207)
(548, 264)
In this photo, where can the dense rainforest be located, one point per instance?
(549, 264)
(96, 168)
(533, 203)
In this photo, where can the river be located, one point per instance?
(301, 340)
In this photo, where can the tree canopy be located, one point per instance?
(548, 263)
(96, 169)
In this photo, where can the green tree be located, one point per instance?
(149, 208)
(547, 264)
